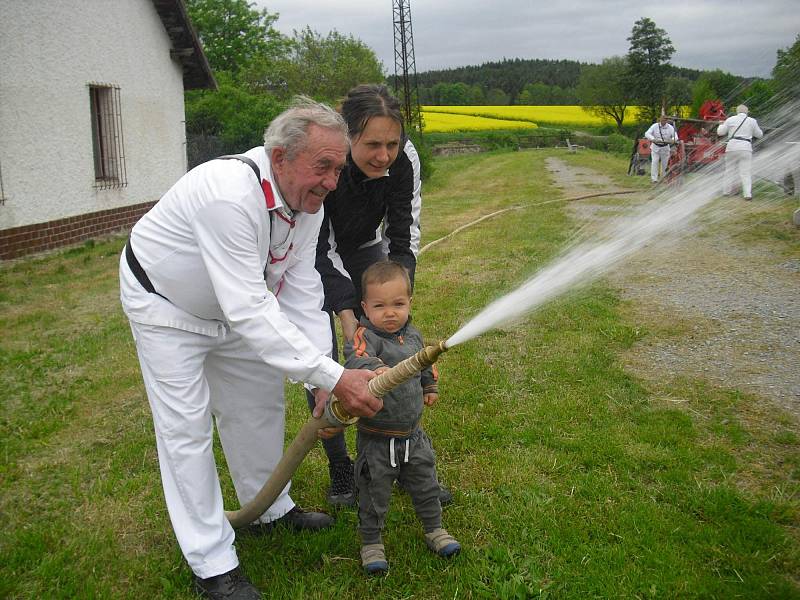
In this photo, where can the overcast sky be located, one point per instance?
(735, 36)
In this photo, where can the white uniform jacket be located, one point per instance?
(416, 203)
(740, 130)
(661, 134)
(208, 246)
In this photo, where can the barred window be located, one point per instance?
(107, 140)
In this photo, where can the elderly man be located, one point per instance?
(740, 129)
(662, 137)
(219, 285)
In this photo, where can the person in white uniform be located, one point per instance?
(662, 138)
(740, 130)
(224, 302)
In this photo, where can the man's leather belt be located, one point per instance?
(661, 144)
(744, 139)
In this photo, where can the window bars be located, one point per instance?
(2, 190)
(107, 139)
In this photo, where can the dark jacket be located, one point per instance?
(353, 215)
(402, 407)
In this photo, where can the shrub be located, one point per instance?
(619, 144)
(425, 155)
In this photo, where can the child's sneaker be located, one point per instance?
(442, 543)
(373, 559)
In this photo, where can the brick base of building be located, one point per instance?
(28, 239)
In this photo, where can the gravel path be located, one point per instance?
(738, 302)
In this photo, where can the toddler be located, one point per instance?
(391, 445)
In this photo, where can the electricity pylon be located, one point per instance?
(405, 69)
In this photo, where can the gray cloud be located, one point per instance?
(739, 37)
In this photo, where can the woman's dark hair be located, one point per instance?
(366, 101)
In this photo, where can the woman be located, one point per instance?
(372, 214)
(374, 210)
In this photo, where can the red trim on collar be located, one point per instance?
(269, 195)
(285, 218)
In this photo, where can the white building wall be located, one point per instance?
(50, 52)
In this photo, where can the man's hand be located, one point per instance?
(349, 323)
(352, 392)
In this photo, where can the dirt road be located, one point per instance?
(735, 302)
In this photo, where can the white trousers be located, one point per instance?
(738, 162)
(659, 157)
(188, 378)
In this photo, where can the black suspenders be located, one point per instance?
(136, 267)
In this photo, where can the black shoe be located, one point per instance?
(232, 585)
(300, 520)
(343, 486)
(297, 518)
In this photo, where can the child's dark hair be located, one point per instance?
(366, 101)
(383, 271)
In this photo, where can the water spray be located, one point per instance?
(334, 416)
(670, 211)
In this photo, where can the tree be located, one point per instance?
(603, 89)
(701, 91)
(760, 96)
(678, 95)
(477, 97)
(531, 95)
(233, 33)
(648, 64)
(452, 94)
(497, 97)
(786, 73)
(322, 67)
(233, 116)
(716, 85)
(541, 94)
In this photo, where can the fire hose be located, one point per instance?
(334, 416)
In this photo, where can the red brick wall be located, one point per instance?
(19, 241)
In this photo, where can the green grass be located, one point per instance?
(572, 478)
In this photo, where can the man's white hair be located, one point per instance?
(289, 130)
(742, 109)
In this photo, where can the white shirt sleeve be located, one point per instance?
(755, 129)
(226, 237)
(416, 200)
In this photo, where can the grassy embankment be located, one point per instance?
(572, 478)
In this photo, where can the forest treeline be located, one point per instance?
(520, 81)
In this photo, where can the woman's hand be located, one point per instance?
(349, 323)
(321, 398)
(430, 399)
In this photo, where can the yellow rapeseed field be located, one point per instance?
(436, 121)
(440, 118)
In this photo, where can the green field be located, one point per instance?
(572, 478)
